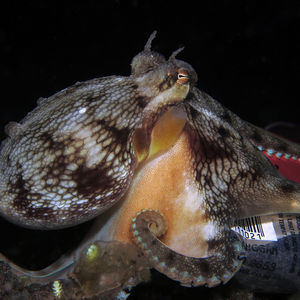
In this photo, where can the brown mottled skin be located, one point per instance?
(72, 157)
(97, 144)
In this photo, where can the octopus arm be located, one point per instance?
(189, 271)
(233, 160)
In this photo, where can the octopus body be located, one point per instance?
(165, 167)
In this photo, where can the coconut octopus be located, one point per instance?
(164, 166)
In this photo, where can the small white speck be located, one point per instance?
(82, 110)
(68, 184)
(107, 142)
(109, 193)
(72, 167)
(109, 172)
(50, 196)
(110, 157)
(82, 201)
(61, 191)
(50, 181)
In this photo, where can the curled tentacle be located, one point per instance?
(190, 271)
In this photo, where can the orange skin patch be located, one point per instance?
(165, 183)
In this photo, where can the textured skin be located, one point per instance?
(72, 157)
(234, 179)
(82, 150)
(229, 169)
(229, 162)
(69, 158)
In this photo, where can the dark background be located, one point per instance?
(246, 54)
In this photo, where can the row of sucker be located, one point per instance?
(189, 271)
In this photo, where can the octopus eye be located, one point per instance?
(182, 76)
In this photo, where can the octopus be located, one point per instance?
(164, 167)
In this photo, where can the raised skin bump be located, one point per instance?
(13, 129)
(212, 270)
